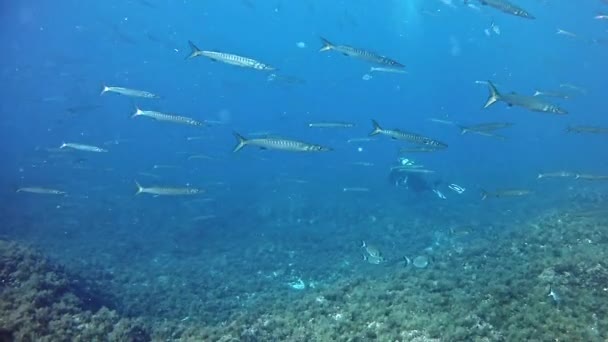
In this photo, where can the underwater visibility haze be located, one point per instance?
(273, 170)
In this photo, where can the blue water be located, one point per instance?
(58, 55)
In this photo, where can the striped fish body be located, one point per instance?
(407, 136)
(360, 53)
(184, 120)
(366, 55)
(278, 144)
(129, 92)
(507, 7)
(228, 58)
(236, 60)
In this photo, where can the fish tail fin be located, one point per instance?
(241, 142)
(540, 175)
(194, 50)
(327, 45)
(140, 188)
(463, 130)
(104, 89)
(377, 129)
(537, 93)
(363, 244)
(494, 95)
(63, 145)
(484, 194)
(138, 112)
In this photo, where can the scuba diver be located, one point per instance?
(418, 183)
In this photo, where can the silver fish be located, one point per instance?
(407, 136)
(228, 58)
(506, 7)
(82, 147)
(129, 92)
(184, 120)
(331, 125)
(532, 103)
(278, 144)
(164, 191)
(359, 53)
(372, 254)
(558, 174)
(388, 70)
(587, 129)
(505, 193)
(41, 191)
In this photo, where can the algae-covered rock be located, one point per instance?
(39, 302)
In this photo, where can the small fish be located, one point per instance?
(82, 147)
(184, 120)
(407, 136)
(163, 166)
(387, 70)
(260, 134)
(355, 189)
(566, 33)
(506, 7)
(587, 129)
(82, 108)
(573, 87)
(556, 94)
(591, 177)
(557, 174)
(285, 79)
(442, 121)
(148, 174)
(199, 156)
(203, 218)
(331, 125)
(371, 254)
(355, 140)
(505, 193)
(413, 170)
(228, 58)
(554, 296)
(484, 127)
(601, 17)
(41, 191)
(129, 92)
(532, 103)
(464, 130)
(419, 149)
(163, 191)
(359, 53)
(278, 144)
(362, 163)
(197, 138)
